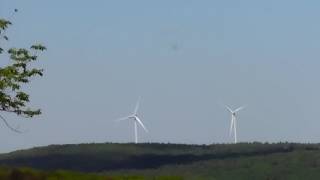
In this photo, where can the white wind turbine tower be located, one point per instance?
(136, 121)
(233, 125)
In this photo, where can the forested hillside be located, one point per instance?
(220, 161)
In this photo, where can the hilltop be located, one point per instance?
(223, 161)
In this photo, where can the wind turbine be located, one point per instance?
(136, 121)
(233, 125)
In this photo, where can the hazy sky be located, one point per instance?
(186, 59)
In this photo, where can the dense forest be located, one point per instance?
(170, 161)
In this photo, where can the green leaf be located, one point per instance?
(38, 47)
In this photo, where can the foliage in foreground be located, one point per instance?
(17, 73)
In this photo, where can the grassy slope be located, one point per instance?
(240, 161)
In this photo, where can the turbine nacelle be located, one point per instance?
(133, 117)
(138, 121)
(233, 112)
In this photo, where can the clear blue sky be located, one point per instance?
(186, 59)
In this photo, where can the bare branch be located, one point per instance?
(9, 126)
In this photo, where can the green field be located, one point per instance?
(166, 161)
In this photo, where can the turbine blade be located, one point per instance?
(122, 119)
(230, 110)
(240, 108)
(140, 122)
(137, 107)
